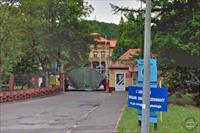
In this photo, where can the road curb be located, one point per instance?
(122, 110)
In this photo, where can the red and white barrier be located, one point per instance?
(14, 95)
(8, 96)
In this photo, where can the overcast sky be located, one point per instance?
(103, 11)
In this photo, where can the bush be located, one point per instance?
(182, 80)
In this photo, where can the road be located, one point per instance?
(69, 112)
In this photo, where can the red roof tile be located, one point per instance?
(130, 53)
(112, 43)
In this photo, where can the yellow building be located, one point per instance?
(120, 74)
(100, 53)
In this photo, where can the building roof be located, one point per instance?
(112, 43)
(130, 53)
(127, 55)
(99, 38)
(102, 39)
(122, 61)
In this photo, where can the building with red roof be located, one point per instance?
(100, 52)
(124, 67)
(121, 73)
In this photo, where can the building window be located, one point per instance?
(95, 54)
(102, 54)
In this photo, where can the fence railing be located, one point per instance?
(19, 87)
(4, 83)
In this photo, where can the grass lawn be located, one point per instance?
(173, 120)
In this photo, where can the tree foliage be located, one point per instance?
(130, 34)
(174, 22)
(175, 25)
(41, 32)
(10, 45)
(180, 27)
(109, 30)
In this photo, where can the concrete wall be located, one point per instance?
(111, 78)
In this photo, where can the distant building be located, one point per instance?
(100, 53)
(123, 72)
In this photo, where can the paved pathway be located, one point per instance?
(70, 112)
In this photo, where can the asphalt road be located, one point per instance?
(70, 112)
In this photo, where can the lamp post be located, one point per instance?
(146, 87)
(106, 71)
(100, 62)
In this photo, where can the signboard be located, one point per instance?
(52, 80)
(158, 98)
(54, 67)
(153, 114)
(153, 70)
(153, 84)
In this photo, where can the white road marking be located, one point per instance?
(82, 118)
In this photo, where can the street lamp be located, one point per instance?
(146, 87)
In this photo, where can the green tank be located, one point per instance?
(85, 78)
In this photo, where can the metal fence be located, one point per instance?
(23, 81)
(28, 81)
(4, 82)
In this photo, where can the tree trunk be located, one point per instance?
(45, 72)
(46, 78)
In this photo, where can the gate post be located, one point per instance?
(11, 82)
(11, 88)
(36, 81)
(62, 81)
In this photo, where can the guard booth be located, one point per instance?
(120, 77)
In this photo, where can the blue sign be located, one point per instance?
(153, 84)
(158, 98)
(153, 71)
(54, 67)
(153, 114)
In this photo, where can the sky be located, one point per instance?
(103, 11)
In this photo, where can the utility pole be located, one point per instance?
(105, 58)
(146, 87)
(100, 63)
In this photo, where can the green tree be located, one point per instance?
(10, 45)
(109, 30)
(41, 32)
(174, 22)
(175, 30)
(69, 32)
(180, 27)
(130, 34)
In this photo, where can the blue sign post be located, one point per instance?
(158, 96)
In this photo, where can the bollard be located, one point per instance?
(62, 81)
(36, 81)
(11, 82)
(107, 87)
(11, 88)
